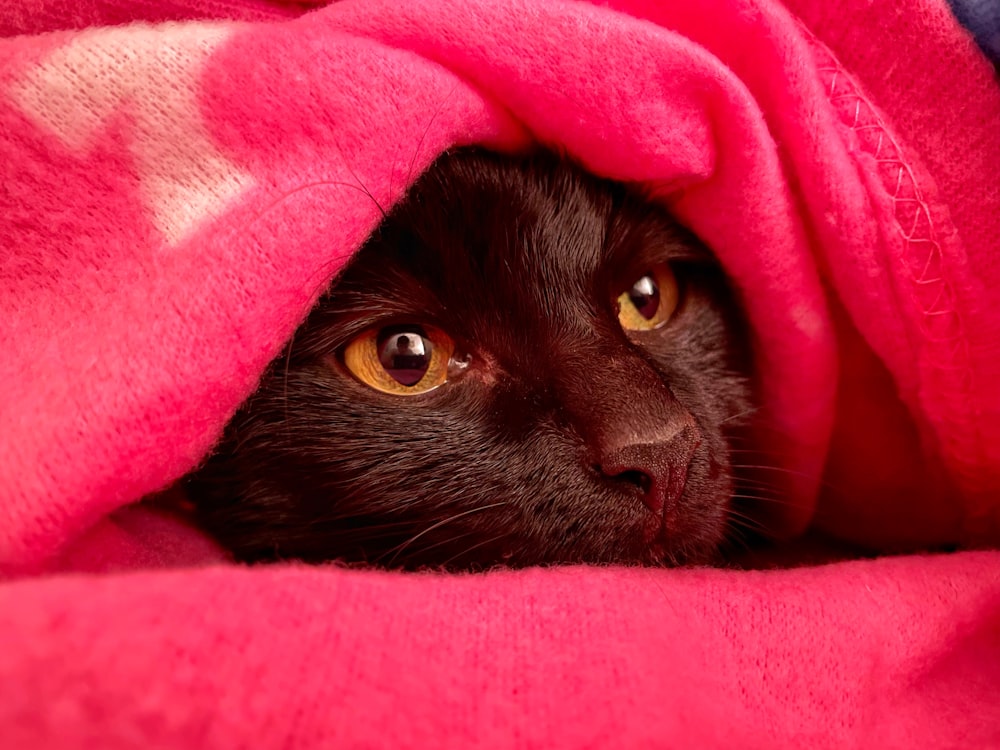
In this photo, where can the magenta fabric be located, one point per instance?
(900, 653)
(176, 195)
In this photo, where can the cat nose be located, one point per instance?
(658, 469)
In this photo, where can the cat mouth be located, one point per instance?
(656, 529)
(663, 521)
(666, 529)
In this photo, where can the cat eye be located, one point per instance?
(650, 301)
(403, 360)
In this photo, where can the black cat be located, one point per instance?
(523, 365)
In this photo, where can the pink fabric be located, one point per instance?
(901, 653)
(38, 16)
(175, 197)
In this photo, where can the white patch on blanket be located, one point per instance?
(154, 74)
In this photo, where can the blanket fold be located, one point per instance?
(177, 193)
(907, 656)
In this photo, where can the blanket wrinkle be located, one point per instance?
(181, 180)
(938, 318)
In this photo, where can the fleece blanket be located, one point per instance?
(180, 181)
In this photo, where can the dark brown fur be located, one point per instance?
(550, 446)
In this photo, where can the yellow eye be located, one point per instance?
(651, 300)
(403, 360)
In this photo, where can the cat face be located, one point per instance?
(523, 365)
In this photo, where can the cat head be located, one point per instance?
(523, 365)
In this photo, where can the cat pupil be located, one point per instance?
(645, 296)
(405, 354)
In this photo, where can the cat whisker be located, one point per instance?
(742, 530)
(767, 490)
(358, 180)
(759, 452)
(446, 541)
(734, 536)
(423, 136)
(763, 499)
(288, 361)
(733, 513)
(754, 482)
(437, 525)
(469, 549)
(323, 270)
(780, 469)
(744, 413)
(791, 472)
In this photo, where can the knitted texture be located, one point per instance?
(175, 197)
(900, 653)
(37, 16)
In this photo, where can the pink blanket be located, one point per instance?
(175, 196)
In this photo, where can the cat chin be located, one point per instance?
(674, 546)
